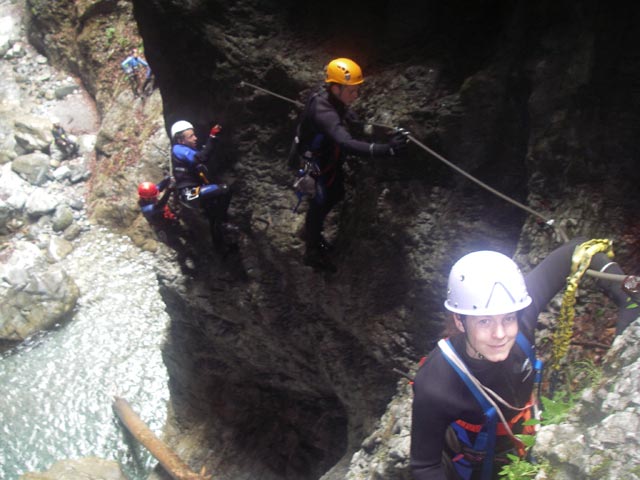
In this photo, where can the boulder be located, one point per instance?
(33, 167)
(33, 133)
(33, 294)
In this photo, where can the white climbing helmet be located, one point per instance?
(486, 283)
(180, 126)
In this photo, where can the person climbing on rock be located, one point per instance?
(164, 220)
(476, 388)
(190, 169)
(131, 66)
(322, 142)
(157, 212)
(63, 145)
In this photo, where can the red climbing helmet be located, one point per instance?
(147, 190)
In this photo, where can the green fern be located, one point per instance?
(519, 469)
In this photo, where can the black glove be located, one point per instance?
(202, 168)
(398, 143)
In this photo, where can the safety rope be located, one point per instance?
(548, 221)
(580, 261)
(486, 392)
(281, 97)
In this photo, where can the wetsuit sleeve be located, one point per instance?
(208, 154)
(547, 279)
(628, 309)
(328, 120)
(186, 154)
(164, 183)
(428, 426)
(165, 197)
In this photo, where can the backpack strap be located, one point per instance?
(486, 438)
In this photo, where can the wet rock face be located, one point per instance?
(499, 91)
(282, 371)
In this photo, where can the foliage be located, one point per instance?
(579, 375)
(557, 408)
(519, 468)
(121, 39)
(109, 33)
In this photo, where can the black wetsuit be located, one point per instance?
(441, 397)
(324, 136)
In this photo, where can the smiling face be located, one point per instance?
(489, 336)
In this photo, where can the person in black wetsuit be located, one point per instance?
(491, 302)
(323, 139)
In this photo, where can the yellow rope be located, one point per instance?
(579, 264)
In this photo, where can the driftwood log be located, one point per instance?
(161, 452)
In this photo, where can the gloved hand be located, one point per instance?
(398, 143)
(215, 130)
(202, 168)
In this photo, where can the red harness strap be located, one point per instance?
(523, 415)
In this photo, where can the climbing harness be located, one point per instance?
(190, 193)
(483, 448)
(305, 183)
(579, 263)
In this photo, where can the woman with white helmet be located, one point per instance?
(459, 430)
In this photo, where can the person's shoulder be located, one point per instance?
(435, 363)
(430, 364)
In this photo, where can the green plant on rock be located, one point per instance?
(599, 470)
(591, 374)
(519, 468)
(124, 42)
(109, 33)
(556, 409)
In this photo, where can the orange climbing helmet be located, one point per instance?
(147, 191)
(344, 72)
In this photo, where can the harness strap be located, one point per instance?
(500, 429)
(486, 433)
(486, 438)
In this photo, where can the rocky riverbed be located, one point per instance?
(71, 338)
